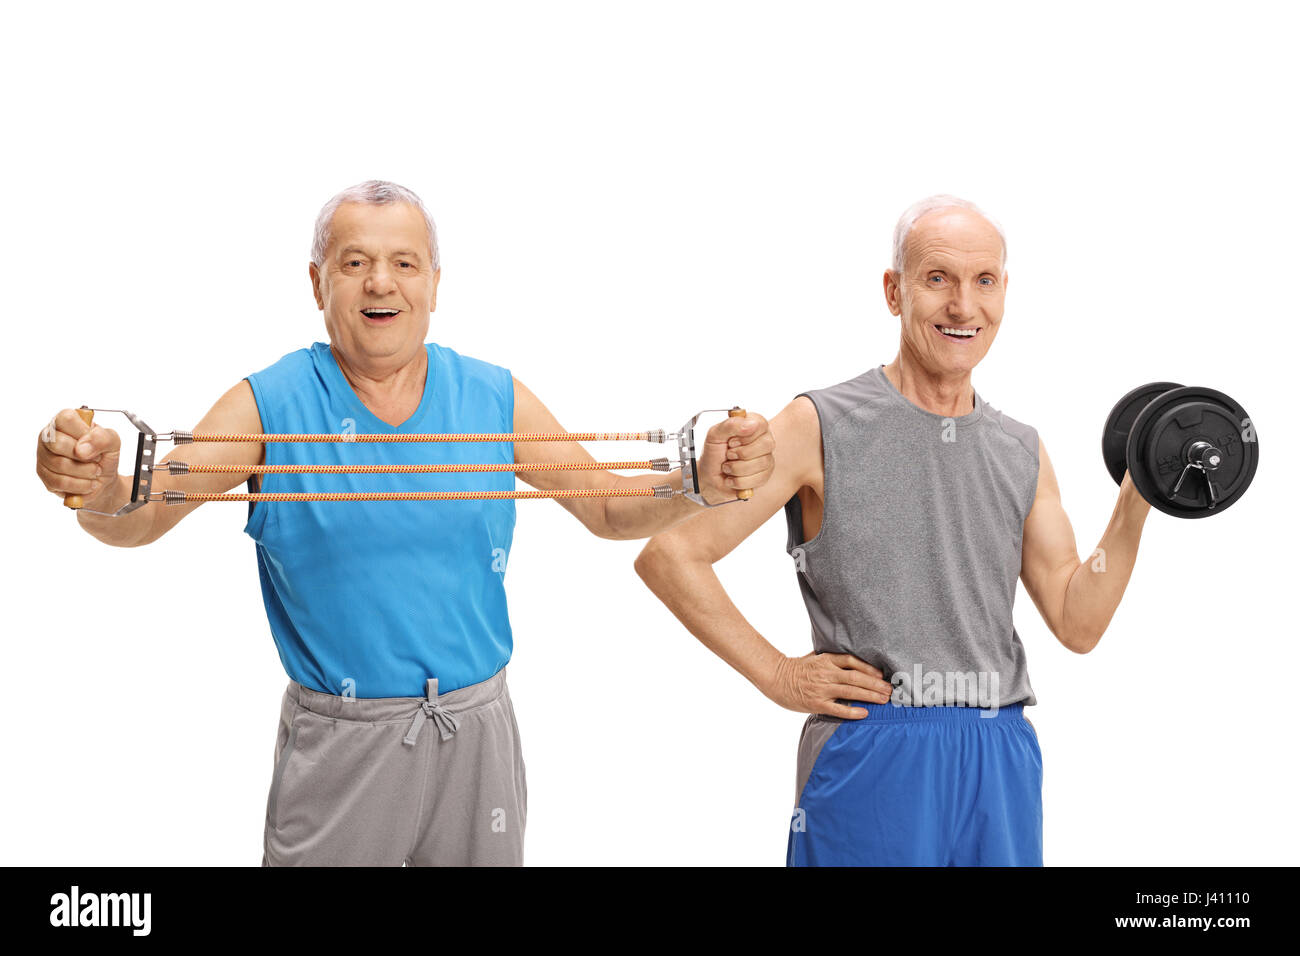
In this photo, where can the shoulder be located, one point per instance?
(284, 377)
(292, 363)
(468, 364)
(473, 380)
(1022, 435)
(798, 418)
(471, 368)
(798, 435)
(833, 402)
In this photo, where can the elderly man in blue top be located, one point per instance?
(397, 743)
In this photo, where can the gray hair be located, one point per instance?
(928, 205)
(377, 192)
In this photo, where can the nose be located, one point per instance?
(380, 280)
(962, 304)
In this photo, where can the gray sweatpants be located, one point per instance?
(387, 781)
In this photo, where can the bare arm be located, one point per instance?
(623, 518)
(63, 468)
(1077, 598)
(677, 566)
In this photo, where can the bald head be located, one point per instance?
(953, 234)
(945, 212)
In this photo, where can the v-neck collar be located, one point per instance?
(350, 396)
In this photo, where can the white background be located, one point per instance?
(646, 210)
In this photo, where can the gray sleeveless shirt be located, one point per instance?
(914, 567)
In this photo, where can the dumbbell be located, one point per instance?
(1192, 452)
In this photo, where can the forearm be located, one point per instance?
(128, 531)
(628, 518)
(692, 591)
(1098, 584)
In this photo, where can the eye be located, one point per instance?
(938, 277)
(354, 262)
(406, 265)
(987, 279)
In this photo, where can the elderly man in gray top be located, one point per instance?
(913, 506)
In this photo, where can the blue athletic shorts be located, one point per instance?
(919, 786)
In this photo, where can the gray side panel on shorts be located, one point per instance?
(817, 729)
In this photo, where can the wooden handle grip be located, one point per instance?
(738, 412)
(74, 501)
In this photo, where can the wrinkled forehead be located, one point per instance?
(378, 229)
(954, 237)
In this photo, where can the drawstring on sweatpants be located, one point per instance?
(444, 718)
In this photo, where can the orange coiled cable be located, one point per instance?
(403, 468)
(409, 495)
(437, 437)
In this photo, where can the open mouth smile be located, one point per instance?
(958, 334)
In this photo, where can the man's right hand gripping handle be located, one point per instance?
(77, 459)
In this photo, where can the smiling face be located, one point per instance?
(952, 290)
(376, 285)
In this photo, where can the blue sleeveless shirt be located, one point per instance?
(368, 599)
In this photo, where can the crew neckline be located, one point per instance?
(898, 397)
(359, 407)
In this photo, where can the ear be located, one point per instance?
(315, 285)
(433, 298)
(892, 294)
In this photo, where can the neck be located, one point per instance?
(387, 384)
(948, 394)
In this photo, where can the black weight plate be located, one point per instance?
(1159, 441)
(1114, 437)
